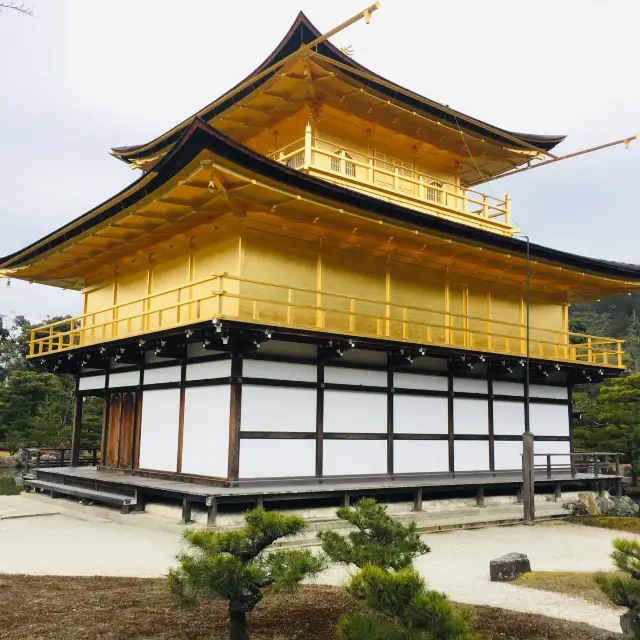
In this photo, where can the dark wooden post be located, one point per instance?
(528, 480)
(186, 510)
(346, 500)
(480, 497)
(417, 499)
(557, 494)
(549, 466)
(212, 511)
(235, 416)
(77, 427)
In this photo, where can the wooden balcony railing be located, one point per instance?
(384, 177)
(225, 296)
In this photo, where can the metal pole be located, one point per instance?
(528, 465)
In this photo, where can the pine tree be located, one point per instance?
(378, 539)
(624, 591)
(235, 565)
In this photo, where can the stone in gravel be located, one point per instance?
(509, 567)
(576, 508)
(630, 623)
(589, 500)
(624, 506)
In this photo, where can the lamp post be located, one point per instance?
(528, 469)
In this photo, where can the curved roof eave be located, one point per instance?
(302, 31)
(200, 137)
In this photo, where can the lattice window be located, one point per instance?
(390, 164)
(295, 162)
(340, 163)
(433, 193)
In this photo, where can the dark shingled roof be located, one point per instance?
(302, 31)
(200, 136)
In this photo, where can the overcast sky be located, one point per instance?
(83, 76)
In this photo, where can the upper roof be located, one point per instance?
(304, 32)
(155, 208)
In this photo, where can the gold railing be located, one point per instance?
(384, 177)
(230, 297)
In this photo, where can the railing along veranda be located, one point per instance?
(227, 296)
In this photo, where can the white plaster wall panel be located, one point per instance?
(420, 456)
(347, 375)
(354, 457)
(471, 416)
(364, 357)
(278, 408)
(431, 364)
(501, 388)
(422, 382)
(469, 385)
(209, 370)
(277, 458)
(420, 414)
(126, 379)
(471, 455)
(205, 438)
(507, 455)
(162, 374)
(195, 349)
(563, 446)
(549, 419)
(546, 391)
(91, 382)
(355, 412)
(293, 349)
(508, 418)
(279, 370)
(159, 429)
(115, 364)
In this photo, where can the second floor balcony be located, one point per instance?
(387, 178)
(229, 297)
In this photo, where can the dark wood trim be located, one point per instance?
(272, 382)
(183, 375)
(207, 382)
(505, 398)
(277, 435)
(138, 430)
(235, 416)
(105, 420)
(320, 420)
(536, 438)
(420, 436)
(389, 418)
(77, 426)
(127, 368)
(355, 436)
(272, 357)
(492, 461)
(434, 393)
(161, 365)
(215, 357)
(332, 386)
(570, 409)
(450, 420)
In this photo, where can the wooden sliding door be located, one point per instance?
(120, 430)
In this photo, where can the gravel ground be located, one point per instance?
(458, 563)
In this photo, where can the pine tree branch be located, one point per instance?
(17, 6)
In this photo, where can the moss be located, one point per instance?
(631, 525)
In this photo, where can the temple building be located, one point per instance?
(309, 287)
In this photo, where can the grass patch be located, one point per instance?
(71, 608)
(631, 525)
(8, 486)
(572, 583)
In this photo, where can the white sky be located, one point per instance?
(83, 76)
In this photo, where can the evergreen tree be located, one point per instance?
(624, 591)
(235, 565)
(378, 539)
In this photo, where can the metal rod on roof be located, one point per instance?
(625, 141)
(365, 13)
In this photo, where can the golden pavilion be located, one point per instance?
(308, 284)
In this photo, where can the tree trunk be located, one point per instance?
(630, 624)
(238, 626)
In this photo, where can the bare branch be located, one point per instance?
(17, 6)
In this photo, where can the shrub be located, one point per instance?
(378, 539)
(234, 565)
(399, 606)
